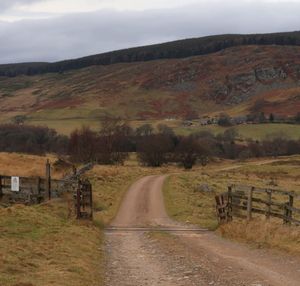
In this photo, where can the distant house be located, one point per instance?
(239, 120)
(204, 121)
(208, 121)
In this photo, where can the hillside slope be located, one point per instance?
(238, 80)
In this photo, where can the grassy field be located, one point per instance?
(186, 202)
(253, 131)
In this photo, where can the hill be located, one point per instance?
(238, 80)
(171, 50)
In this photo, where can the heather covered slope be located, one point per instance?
(238, 80)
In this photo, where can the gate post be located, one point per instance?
(38, 189)
(1, 192)
(229, 204)
(48, 179)
(78, 200)
(249, 204)
(91, 199)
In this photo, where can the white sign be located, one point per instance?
(15, 184)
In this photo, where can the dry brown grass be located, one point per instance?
(262, 233)
(40, 246)
(15, 164)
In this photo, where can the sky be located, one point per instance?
(52, 30)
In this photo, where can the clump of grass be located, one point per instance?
(262, 233)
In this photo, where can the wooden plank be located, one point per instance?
(296, 210)
(223, 206)
(261, 190)
(238, 196)
(239, 206)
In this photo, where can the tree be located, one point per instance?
(224, 120)
(262, 118)
(166, 130)
(144, 130)
(230, 134)
(19, 119)
(153, 150)
(188, 151)
(114, 141)
(297, 117)
(271, 117)
(82, 145)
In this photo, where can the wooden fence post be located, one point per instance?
(48, 179)
(218, 209)
(249, 204)
(78, 200)
(269, 202)
(1, 192)
(229, 204)
(91, 199)
(288, 211)
(38, 188)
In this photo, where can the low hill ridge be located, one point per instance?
(171, 50)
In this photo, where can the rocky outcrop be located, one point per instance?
(267, 74)
(242, 82)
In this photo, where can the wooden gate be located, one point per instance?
(84, 200)
(244, 201)
(224, 207)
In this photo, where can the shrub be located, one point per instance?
(153, 150)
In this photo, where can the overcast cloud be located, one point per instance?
(50, 30)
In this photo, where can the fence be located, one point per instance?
(34, 190)
(244, 201)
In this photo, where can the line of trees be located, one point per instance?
(31, 139)
(116, 140)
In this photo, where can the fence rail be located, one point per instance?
(34, 190)
(244, 201)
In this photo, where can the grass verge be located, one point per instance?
(186, 203)
(262, 233)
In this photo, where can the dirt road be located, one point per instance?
(182, 256)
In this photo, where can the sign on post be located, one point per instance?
(15, 184)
